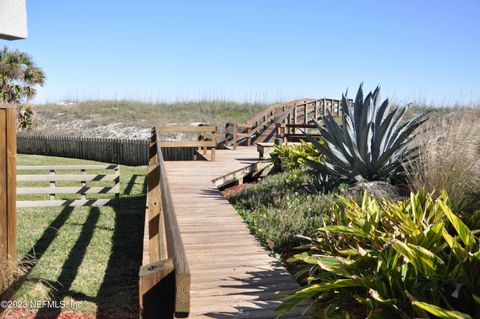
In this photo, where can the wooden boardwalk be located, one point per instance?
(233, 276)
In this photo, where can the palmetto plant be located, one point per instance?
(398, 260)
(25, 117)
(18, 78)
(371, 142)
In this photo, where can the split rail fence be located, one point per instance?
(48, 177)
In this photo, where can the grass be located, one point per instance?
(108, 118)
(450, 148)
(281, 207)
(87, 255)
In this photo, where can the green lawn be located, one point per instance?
(90, 255)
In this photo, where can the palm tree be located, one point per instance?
(18, 78)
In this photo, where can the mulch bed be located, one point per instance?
(234, 189)
(23, 313)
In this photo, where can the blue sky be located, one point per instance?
(255, 49)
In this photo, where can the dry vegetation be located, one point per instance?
(450, 149)
(9, 271)
(131, 119)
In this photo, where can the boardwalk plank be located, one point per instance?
(233, 276)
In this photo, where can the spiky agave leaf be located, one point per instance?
(370, 143)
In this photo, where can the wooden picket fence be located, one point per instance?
(108, 150)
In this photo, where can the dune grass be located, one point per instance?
(85, 257)
(449, 151)
(131, 118)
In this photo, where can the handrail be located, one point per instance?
(255, 125)
(164, 255)
(204, 142)
(293, 120)
(287, 112)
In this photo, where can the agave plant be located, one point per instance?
(371, 142)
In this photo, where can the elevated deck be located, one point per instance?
(232, 275)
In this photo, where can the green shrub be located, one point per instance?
(281, 207)
(292, 156)
(381, 259)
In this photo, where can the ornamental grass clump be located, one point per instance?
(449, 157)
(370, 144)
(385, 259)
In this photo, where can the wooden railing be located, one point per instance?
(293, 112)
(287, 132)
(71, 174)
(311, 110)
(206, 138)
(164, 275)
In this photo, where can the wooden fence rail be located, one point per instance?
(50, 175)
(206, 138)
(108, 150)
(164, 277)
(291, 133)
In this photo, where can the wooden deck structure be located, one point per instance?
(232, 275)
(264, 126)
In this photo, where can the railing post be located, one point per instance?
(225, 143)
(53, 184)
(83, 184)
(295, 119)
(214, 139)
(305, 113)
(315, 110)
(289, 119)
(324, 101)
(281, 130)
(249, 139)
(235, 137)
(8, 179)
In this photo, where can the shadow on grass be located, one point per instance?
(119, 288)
(35, 254)
(134, 181)
(72, 264)
(118, 293)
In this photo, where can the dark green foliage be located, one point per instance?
(385, 259)
(25, 117)
(281, 207)
(18, 76)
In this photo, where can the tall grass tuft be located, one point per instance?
(449, 159)
(9, 272)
